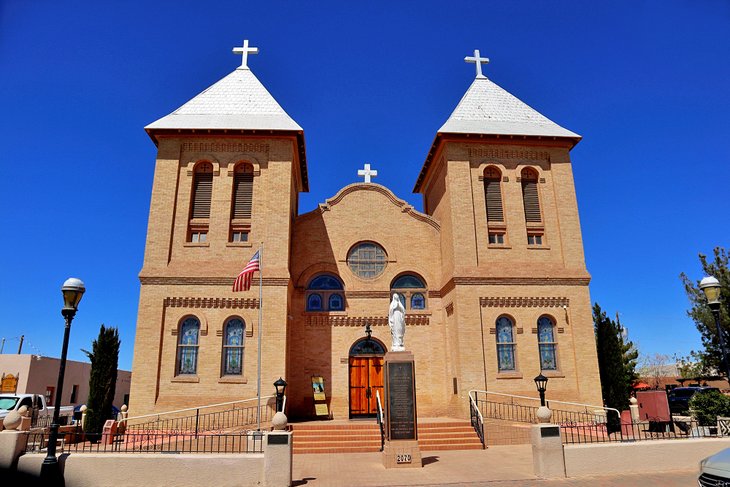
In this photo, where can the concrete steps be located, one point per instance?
(363, 437)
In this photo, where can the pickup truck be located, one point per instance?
(41, 414)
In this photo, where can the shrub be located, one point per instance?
(705, 407)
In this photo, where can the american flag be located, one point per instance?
(243, 281)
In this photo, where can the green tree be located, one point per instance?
(104, 357)
(700, 312)
(616, 363)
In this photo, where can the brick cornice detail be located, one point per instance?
(513, 281)
(524, 302)
(232, 303)
(360, 321)
(404, 206)
(209, 281)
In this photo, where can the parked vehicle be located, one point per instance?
(41, 414)
(680, 396)
(715, 470)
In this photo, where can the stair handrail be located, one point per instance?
(476, 391)
(477, 420)
(381, 420)
(198, 408)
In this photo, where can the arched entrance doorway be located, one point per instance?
(366, 376)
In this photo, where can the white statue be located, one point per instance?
(397, 322)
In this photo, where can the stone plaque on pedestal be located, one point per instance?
(401, 421)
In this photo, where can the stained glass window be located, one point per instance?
(367, 260)
(505, 344)
(418, 301)
(324, 293)
(233, 347)
(411, 290)
(314, 302)
(546, 344)
(187, 349)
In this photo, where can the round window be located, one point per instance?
(367, 260)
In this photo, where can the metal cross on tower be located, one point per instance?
(478, 61)
(245, 51)
(366, 172)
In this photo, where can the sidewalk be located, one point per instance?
(498, 466)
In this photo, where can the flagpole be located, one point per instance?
(261, 314)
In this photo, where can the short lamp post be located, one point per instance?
(541, 383)
(280, 385)
(73, 289)
(711, 287)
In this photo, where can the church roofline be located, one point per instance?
(402, 204)
(156, 134)
(485, 138)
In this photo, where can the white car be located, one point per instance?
(715, 470)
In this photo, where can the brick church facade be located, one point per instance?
(492, 274)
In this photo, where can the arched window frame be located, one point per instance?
(494, 206)
(188, 345)
(546, 343)
(201, 196)
(408, 290)
(506, 346)
(241, 202)
(234, 343)
(532, 207)
(328, 288)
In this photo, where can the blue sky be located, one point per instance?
(645, 83)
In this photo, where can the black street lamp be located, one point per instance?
(73, 289)
(280, 385)
(711, 287)
(541, 383)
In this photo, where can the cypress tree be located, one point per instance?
(616, 362)
(104, 357)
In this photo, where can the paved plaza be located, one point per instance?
(495, 467)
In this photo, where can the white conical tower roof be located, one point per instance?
(237, 102)
(488, 109)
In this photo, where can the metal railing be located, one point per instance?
(151, 442)
(381, 420)
(238, 415)
(584, 423)
(477, 420)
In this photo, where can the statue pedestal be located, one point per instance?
(401, 424)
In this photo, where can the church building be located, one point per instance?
(491, 274)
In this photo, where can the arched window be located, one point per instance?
(411, 290)
(233, 347)
(367, 346)
(187, 346)
(242, 203)
(325, 289)
(505, 344)
(493, 197)
(531, 201)
(546, 343)
(367, 260)
(493, 194)
(200, 202)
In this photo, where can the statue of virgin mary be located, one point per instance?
(397, 322)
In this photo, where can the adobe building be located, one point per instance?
(33, 374)
(491, 273)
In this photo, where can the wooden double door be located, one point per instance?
(366, 379)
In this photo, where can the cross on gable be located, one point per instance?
(245, 51)
(476, 59)
(366, 173)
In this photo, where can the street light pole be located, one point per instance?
(72, 291)
(711, 287)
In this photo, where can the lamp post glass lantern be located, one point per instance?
(541, 383)
(280, 386)
(72, 290)
(711, 288)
